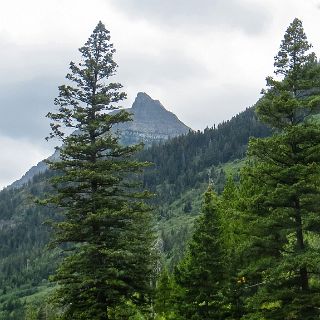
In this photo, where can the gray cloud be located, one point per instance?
(24, 103)
(209, 107)
(169, 65)
(250, 18)
(17, 156)
(201, 58)
(23, 107)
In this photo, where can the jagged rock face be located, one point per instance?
(151, 123)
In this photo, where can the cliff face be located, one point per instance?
(151, 123)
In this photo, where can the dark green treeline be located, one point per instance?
(24, 235)
(255, 251)
(105, 233)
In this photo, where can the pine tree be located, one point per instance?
(105, 232)
(234, 243)
(280, 190)
(165, 296)
(201, 273)
(289, 100)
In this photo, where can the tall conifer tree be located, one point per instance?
(234, 242)
(165, 297)
(280, 190)
(201, 273)
(106, 227)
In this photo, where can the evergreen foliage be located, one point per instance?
(201, 273)
(25, 236)
(25, 262)
(279, 192)
(166, 296)
(105, 232)
(234, 244)
(255, 249)
(183, 162)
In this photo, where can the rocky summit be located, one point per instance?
(151, 122)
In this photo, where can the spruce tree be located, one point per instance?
(201, 273)
(280, 191)
(165, 296)
(234, 243)
(105, 231)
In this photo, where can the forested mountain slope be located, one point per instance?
(182, 168)
(185, 161)
(178, 177)
(151, 123)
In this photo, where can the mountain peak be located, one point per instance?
(143, 102)
(151, 123)
(143, 95)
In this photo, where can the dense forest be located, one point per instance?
(219, 224)
(184, 161)
(27, 262)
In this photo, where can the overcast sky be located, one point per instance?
(205, 60)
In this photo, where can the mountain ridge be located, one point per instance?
(143, 128)
(152, 123)
(179, 176)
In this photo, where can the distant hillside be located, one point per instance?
(182, 166)
(152, 123)
(185, 161)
